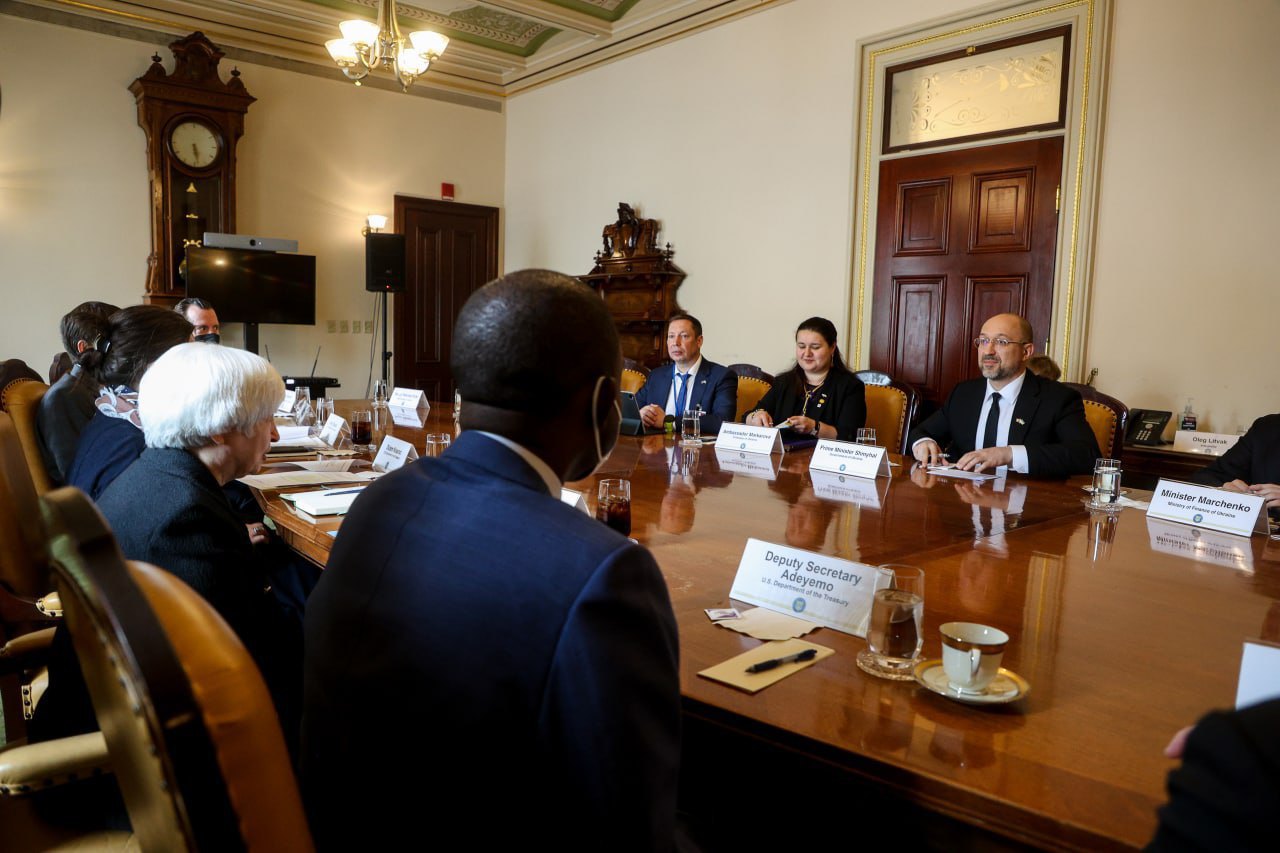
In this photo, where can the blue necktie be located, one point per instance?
(680, 395)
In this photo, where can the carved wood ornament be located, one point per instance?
(638, 283)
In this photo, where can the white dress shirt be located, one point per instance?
(688, 386)
(1008, 397)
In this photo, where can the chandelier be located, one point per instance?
(365, 46)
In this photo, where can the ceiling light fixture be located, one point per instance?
(365, 46)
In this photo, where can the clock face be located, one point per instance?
(194, 144)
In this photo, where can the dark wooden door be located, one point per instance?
(961, 236)
(451, 250)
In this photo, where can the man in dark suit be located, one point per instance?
(689, 382)
(1252, 465)
(1010, 417)
(1226, 793)
(474, 631)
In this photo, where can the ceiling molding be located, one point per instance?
(485, 61)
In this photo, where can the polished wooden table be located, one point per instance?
(1126, 628)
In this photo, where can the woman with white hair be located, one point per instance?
(207, 418)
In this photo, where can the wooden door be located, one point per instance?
(961, 236)
(451, 250)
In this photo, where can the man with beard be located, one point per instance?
(1011, 418)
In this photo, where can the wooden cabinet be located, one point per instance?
(638, 283)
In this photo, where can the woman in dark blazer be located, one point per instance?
(819, 396)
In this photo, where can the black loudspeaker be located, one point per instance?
(384, 263)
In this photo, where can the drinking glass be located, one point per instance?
(379, 389)
(895, 634)
(362, 429)
(1106, 484)
(613, 505)
(690, 429)
(436, 444)
(302, 406)
(866, 435)
(457, 405)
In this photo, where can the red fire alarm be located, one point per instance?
(446, 192)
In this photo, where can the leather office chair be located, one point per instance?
(634, 375)
(193, 736)
(753, 384)
(873, 377)
(891, 409)
(24, 578)
(21, 399)
(1107, 417)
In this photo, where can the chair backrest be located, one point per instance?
(1107, 417)
(24, 557)
(887, 414)
(753, 384)
(189, 724)
(873, 377)
(21, 399)
(632, 380)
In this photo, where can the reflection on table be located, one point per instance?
(1127, 629)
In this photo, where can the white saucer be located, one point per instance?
(1007, 686)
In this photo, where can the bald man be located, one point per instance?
(1011, 419)
(473, 632)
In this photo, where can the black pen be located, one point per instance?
(343, 492)
(798, 657)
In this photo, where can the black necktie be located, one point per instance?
(993, 421)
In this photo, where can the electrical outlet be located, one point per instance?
(342, 326)
(368, 327)
(355, 326)
(331, 326)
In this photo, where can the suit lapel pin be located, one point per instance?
(1020, 422)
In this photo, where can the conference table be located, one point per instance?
(1126, 628)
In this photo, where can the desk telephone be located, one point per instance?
(1146, 426)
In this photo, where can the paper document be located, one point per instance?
(285, 479)
(765, 624)
(952, 471)
(734, 671)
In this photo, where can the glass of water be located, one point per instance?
(691, 429)
(895, 634)
(867, 435)
(1106, 484)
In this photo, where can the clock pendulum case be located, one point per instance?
(192, 120)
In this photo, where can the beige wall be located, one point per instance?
(73, 185)
(745, 154)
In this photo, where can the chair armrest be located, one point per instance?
(25, 768)
(26, 651)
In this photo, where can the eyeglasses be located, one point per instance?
(984, 341)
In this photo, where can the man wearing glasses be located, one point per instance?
(1010, 418)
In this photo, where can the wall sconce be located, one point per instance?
(374, 223)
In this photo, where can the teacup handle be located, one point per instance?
(975, 662)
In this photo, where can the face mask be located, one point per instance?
(601, 453)
(211, 338)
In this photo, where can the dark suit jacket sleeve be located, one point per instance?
(773, 399)
(1226, 794)
(611, 716)
(642, 396)
(852, 414)
(724, 402)
(937, 426)
(1237, 462)
(1073, 447)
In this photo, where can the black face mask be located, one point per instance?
(211, 338)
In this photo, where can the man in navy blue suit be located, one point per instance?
(473, 632)
(689, 382)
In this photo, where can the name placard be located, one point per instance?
(408, 398)
(334, 428)
(574, 499)
(845, 457)
(826, 590)
(1205, 506)
(393, 453)
(1212, 443)
(1203, 546)
(1259, 673)
(407, 417)
(751, 464)
(287, 404)
(749, 439)
(856, 490)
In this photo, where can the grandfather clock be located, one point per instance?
(193, 121)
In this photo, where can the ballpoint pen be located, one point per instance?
(798, 657)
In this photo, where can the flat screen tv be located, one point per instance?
(245, 286)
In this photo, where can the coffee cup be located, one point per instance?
(971, 654)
